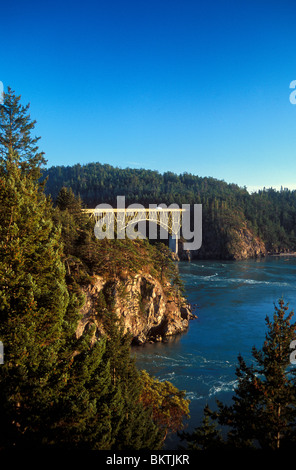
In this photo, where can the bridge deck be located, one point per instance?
(135, 209)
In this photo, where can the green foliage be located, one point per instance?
(58, 390)
(207, 436)
(86, 256)
(132, 422)
(16, 143)
(33, 300)
(49, 394)
(227, 208)
(263, 413)
(169, 405)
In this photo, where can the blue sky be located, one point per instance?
(178, 85)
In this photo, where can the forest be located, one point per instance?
(60, 390)
(268, 214)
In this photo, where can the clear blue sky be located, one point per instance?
(170, 85)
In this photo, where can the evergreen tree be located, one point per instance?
(16, 141)
(263, 413)
(133, 426)
(53, 386)
(33, 300)
(207, 436)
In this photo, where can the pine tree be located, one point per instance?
(33, 299)
(133, 426)
(263, 412)
(267, 387)
(53, 386)
(207, 436)
(16, 142)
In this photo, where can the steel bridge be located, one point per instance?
(169, 219)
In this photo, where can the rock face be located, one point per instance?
(149, 310)
(246, 245)
(233, 243)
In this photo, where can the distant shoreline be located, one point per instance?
(283, 254)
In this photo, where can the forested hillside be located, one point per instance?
(60, 389)
(235, 223)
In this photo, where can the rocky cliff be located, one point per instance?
(227, 243)
(149, 309)
(244, 244)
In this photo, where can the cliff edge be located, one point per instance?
(149, 309)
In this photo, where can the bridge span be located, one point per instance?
(169, 219)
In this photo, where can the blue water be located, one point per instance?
(233, 299)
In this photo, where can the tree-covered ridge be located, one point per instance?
(96, 182)
(268, 214)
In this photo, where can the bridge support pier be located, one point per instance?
(173, 243)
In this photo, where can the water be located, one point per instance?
(233, 299)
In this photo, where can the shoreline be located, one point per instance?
(283, 254)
